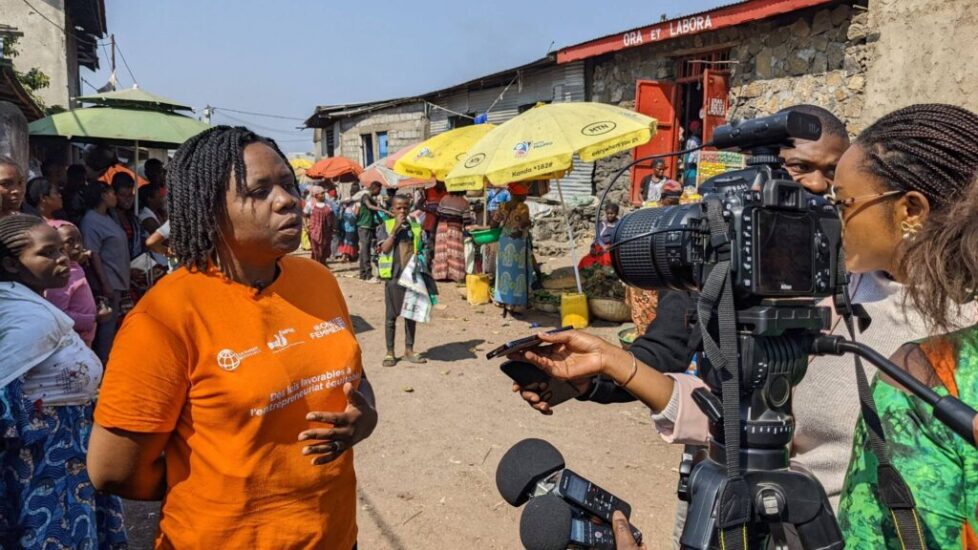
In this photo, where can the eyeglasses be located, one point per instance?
(834, 199)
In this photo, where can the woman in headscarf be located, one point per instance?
(322, 220)
(514, 265)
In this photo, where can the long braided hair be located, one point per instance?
(14, 237)
(197, 180)
(933, 149)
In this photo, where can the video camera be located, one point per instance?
(761, 251)
(782, 240)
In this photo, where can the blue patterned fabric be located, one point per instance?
(514, 272)
(46, 498)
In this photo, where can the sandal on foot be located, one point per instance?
(389, 360)
(415, 358)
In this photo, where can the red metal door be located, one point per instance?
(716, 91)
(657, 100)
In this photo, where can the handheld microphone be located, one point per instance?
(549, 523)
(533, 468)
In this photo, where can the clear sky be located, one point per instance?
(286, 57)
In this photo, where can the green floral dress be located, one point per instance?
(939, 466)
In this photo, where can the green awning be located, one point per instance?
(119, 126)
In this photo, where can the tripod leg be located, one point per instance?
(821, 533)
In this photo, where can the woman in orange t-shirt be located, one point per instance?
(220, 374)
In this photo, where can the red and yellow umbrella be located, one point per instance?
(334, 167)
(383, 171)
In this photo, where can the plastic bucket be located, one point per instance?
(477, 289)
(573, 310)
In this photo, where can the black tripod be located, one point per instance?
(774, 341)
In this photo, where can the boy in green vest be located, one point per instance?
(399, 240)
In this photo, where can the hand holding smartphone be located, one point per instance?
(522, 344)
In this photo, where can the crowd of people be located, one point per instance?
(233, 393)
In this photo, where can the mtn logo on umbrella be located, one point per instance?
(521, 149)
(598, 128)
(475, 160)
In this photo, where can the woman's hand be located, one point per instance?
(536, 396)
(623, 533)
(572, 355)
(350, 427)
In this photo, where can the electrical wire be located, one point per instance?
(253, 125)
(126, 63)
(281, 117)
(62, 29)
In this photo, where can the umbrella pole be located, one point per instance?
(135, 168)
(485, 207)
(570, 235)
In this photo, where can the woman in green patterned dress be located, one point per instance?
(908, 197)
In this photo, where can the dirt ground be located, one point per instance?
(427, 475)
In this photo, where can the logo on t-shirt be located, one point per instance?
(229, 360)
(280, 341)
(326, 328)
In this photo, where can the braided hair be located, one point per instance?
(930, 148)
(933, 149)
(197, 180)
(15, 236)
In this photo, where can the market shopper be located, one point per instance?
(48, 381)
(76, 298)
(400, 241)
(12, 186)
(367, 221)
(44, 196)
(449, 259)
(224, 372)
(514, 259)
(106, 238)
(650, 188)
(599, 253)
(321, 224)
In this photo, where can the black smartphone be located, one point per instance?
(525, 374)
(522, 344)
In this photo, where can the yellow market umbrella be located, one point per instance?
(542, 142)
(436, 156)
(300, 163)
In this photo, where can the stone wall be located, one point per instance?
(817, 56)
(43, 46)
(925, 54)
(404, 125)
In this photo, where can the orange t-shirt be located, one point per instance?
(231, 374)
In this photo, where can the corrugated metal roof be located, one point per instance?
(325, 112)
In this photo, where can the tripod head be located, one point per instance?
(774, 339)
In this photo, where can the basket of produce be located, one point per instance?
(560, 279)
(616, 311)
(606, 294)
(486, 236)
(544, 301)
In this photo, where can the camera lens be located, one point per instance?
(662, 247)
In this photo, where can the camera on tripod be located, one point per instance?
(761, 251)
(783, 240)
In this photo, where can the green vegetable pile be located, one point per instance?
(601, 282)
(544, 297)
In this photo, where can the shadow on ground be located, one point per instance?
(455, 351)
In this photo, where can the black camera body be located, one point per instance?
(781, 246)
(783, 240)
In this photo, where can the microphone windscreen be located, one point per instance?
(546, 524)
(523, 465)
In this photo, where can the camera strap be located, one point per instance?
(893, 490)
(733, 506)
